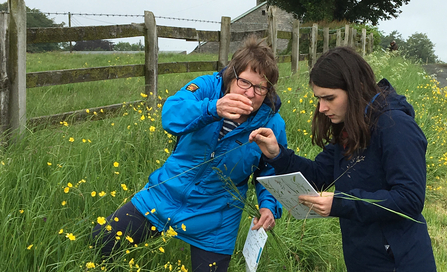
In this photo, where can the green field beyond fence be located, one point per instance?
(57, 183)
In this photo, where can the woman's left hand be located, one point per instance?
(320, 204)
(267, 220)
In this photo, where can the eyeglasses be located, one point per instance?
(245, 84)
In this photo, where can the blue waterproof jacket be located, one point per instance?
(189, 188)
(392, 170)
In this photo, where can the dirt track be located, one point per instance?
(439, 72)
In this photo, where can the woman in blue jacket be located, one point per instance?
(374, 149)
(212, 116)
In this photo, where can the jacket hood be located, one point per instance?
(391, 100)
(277, 104)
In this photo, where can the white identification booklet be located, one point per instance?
(253, 247)
(286, 189)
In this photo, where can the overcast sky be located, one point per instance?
(422, 16)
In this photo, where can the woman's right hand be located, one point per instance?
(232, 106)
(266, 140)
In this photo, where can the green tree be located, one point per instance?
(361, 11)
(35, 18)
(419, 47)
(125, 46)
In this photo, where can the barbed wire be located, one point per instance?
(159, 17)
(124, 15)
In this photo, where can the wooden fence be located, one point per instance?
(14, 80)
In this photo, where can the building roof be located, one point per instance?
(248, 12)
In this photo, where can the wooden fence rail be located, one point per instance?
(14, 80)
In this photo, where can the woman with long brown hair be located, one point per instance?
(375, 150)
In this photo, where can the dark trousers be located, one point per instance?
(130, 222)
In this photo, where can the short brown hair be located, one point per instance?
(259, 57)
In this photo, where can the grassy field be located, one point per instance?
(57, 183)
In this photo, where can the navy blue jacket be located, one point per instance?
(391, 169)
(188, 190)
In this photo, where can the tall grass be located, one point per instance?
(56, 183)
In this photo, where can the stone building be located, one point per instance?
(254, 19)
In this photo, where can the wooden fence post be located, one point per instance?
(346, 40)
(353, 38)
(363, 41)
(295, 46)
(151, 57)
(4, 80)
(371, 43)
(325, 39)
(338, 41)
(272, 30)
(313, 46)
(224, 42)
(16, 66)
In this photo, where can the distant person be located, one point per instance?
(212, 116)
(373, 149)
(393, 46)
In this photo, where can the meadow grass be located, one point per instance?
(49, 100)
(57, 183)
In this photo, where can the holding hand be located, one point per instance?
(320, 204)
(266, 140)
(232, 106)
(267, 220)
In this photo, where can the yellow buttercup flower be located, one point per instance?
(183, 227)
(29, 247)
(116, 164)
(70, 236)
(90, 265)
(162, 249)
(171, 232)
(130, 239)
(101, 220)
(93, 194)
(61, 231)
(71, 139)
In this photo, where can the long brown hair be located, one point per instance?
(256, 55)
(342, 68)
